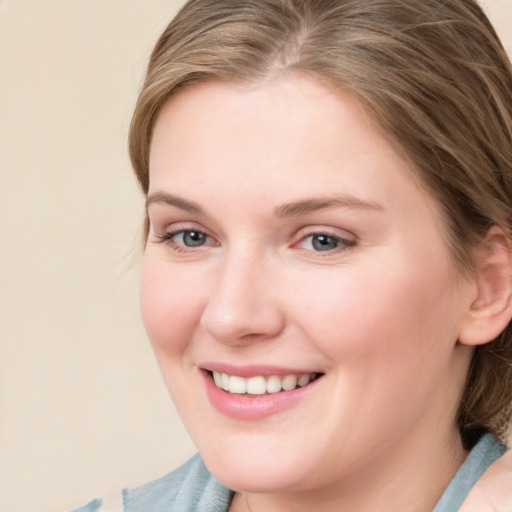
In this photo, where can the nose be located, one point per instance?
(243, 305)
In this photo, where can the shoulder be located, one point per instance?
(191, 474)
(92, 506)
(190, 487)
(493, 491)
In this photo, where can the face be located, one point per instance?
(294, 260)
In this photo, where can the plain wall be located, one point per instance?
(83, 411)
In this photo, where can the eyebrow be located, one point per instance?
(293, 209)
(303, 207)
(178, 202)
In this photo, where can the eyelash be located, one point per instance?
(169, 239)
(342, 244)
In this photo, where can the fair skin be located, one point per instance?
(288, 236)
(493, 492)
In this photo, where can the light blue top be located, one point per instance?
(191, 487)
(485, 452)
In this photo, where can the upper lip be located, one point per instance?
(254, 370)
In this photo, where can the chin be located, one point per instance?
(253, 476)
(253, 463)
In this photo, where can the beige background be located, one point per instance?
(82, 409)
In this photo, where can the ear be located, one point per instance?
(491, 310)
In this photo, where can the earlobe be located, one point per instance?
(491, 311)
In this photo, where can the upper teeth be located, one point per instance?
(260, 385)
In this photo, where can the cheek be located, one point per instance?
(390, 338)
(394, 316)
(171, 306)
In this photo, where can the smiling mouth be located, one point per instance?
(260, 385)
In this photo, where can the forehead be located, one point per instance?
(282, 138)
(282, 112)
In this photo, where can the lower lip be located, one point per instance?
(253, 407)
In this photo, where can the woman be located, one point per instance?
(326, 279)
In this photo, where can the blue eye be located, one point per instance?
(191, 238)
(323, 242)
(185, 238)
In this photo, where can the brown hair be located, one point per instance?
(434, 74)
